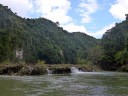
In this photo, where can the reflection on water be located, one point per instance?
(82, 84)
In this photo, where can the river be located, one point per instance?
(81, 84)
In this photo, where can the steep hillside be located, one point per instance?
(40, 39)
(115, 45)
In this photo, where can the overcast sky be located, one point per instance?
(92, 17)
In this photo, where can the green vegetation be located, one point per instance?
(41, 40)
(115, 45)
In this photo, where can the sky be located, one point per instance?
(92, 17)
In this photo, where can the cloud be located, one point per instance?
(119, 9)
(21, 7)
(98, 34)
(87, 7)
(55, 10)
(74, 28)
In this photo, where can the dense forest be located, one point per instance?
(41, 40)
(115, 45)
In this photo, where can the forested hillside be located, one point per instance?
(41, 39)
(115, 45)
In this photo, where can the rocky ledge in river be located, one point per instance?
(38, 70)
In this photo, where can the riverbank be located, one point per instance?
(43, 69)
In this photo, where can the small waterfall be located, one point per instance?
(75, 70)
(49, 71)
(93, 70)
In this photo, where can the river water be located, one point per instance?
(77, 84)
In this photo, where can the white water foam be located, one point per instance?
(75, 70)
(49, 71)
